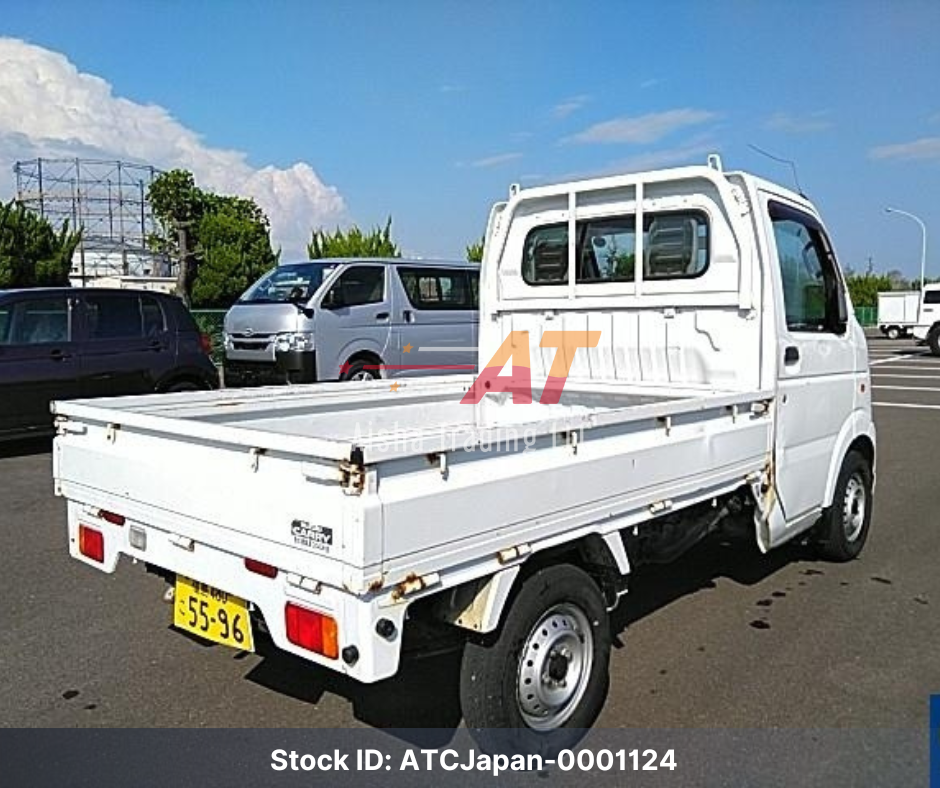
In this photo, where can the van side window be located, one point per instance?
(812, 292)
(438, 288)
(358, 285)
(675, 246)
(113, 316)
(474, 277)
(35, 322)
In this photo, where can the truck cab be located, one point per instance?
(927, 329)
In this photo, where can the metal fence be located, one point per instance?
(210, 322)
(867, 315)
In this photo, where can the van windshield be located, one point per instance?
(291, 282)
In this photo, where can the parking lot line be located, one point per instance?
(910, 405)
(911, 367)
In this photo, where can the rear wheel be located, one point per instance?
(893, 332)
(844, 527)
(933, 340)
(546, 672)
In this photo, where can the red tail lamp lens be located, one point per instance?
(206, 342)
(91, 543)
(260, 568)
(312, 630)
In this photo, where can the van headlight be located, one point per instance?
(227, 341)
(299, 341)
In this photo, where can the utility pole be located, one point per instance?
(184, 272)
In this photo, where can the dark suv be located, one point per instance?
(63, 343)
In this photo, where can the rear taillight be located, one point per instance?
(205, 342)
(312, 630)
(91, 543)
(111, 517)
(260, 568)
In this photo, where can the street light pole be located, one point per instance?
(923, 241)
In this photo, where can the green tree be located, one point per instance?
(864, 288)
(353, 243)
(222, 243)
(475, 251)
(32, 253)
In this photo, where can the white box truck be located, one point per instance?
(897, 313)
(684, 360)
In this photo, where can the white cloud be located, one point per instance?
(48, 108)
(917, 150)
(646, 84)
(642, 128)
(566, 108)
(799, 124)
(495, 161)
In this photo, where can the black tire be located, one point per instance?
(576, 641)
(893, 332)
(363, 369)
(933, 340)
(844, 526)
(184, 385)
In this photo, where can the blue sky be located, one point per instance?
(427, 111)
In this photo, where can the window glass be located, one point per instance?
(6, 314)
(292, 281)
(36, 321)
(675, 246)
(930, 297)
(361, 284)
(811, 288)
(114, 316)
(153, 316)
(608, 251)
(474, 277)
(440, 288)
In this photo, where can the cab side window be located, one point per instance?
(812, 291)
(357, 286)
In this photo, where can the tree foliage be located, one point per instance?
(32, 253)
(353, 243)
(225, 240)
(864, 288)
(475, 251)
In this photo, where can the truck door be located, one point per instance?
(816, 359)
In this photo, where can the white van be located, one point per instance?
(354, 319)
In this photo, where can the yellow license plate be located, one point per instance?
(212, 614)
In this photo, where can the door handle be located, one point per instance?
(382, 316)
(408, 316)
(58, 355)
(791, 355)
(155, 344)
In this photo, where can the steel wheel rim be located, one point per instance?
(363, 374)
(555, 667)
(854, 507)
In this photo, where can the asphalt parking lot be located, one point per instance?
(725, 638)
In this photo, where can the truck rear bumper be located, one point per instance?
(376, 656)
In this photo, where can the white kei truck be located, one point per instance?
(898, 312)
(927, 330)
(685, 361)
